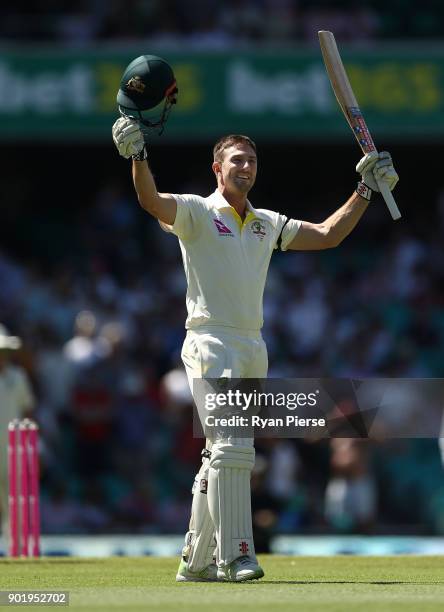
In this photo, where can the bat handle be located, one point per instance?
(389, 200)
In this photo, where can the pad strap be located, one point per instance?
(225, 455)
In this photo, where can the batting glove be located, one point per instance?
(377, 167)
(128, 138)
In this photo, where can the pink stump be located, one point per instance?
(12, 493)
(24, 490)
(34, 489)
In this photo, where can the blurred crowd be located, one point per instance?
(208, 24)
(102, 329)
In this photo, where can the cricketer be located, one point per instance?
(226, 246)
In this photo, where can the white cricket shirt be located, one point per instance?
(226, 259)
(15, 399)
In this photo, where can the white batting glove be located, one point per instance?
(377, 167)
(384, 170)
(128, 137)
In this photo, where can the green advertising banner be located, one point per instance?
(52, 94)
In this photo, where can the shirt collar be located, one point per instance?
(220, 203)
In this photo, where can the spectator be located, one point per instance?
(16, 402)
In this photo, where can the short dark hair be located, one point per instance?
(227, 141)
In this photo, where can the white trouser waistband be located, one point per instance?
(227, 331)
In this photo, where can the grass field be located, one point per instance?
(310, 584)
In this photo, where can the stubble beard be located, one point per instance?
(242, 186)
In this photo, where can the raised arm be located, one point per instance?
(161, 205)
(331, 232)
(129, 141)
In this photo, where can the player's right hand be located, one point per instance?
(128, 137)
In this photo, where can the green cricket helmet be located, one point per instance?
(147, 81)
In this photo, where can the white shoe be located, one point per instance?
(208, 574)
(242, 568)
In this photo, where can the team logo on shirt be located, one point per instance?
(258, 229)
(222, 229)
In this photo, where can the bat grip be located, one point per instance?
(389, 200)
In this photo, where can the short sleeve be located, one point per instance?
(287, 230)
(188, 220)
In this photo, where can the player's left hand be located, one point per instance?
(128, 137)
(377, 167)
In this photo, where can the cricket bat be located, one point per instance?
(349, 105)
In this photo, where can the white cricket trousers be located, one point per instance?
(220, 523)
